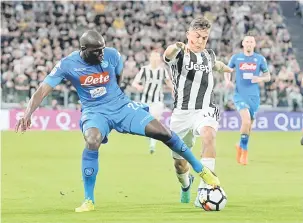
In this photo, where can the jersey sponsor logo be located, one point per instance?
(197, 67)
(239, 58)
(98, 92)
(248, 66)
(94, 79)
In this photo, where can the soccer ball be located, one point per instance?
(212, 199)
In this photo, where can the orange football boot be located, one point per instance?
(244, 157)
(239, 153)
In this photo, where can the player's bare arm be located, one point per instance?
(25, 122)
(172, 50)
(227, 79)
(169, 84)
(137, 85)
(221, 67)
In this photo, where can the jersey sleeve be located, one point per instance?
(140, 76)
(231, 62)
(174, 60)
(118, 63)
(264, 67)
(212, 56)
(56, 75)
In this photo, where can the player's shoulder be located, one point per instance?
(75, 55)
(259, 55)
(238, 55)
(110, 52)
(111, 56)
(211, 52)
(66, 62)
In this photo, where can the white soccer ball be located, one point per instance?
(212, 199)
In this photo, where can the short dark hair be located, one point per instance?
(200, 23)
(250, 33)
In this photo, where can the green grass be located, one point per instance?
(134, 186)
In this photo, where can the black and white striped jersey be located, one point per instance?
(192, 75)
(153, 81)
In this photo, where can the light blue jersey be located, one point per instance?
(96, 85)
(247, 94)
(104, 105)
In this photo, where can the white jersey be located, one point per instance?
(152, 80)
(193, 79)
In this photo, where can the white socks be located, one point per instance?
(210, 163)
(183, 179)
(152, 143)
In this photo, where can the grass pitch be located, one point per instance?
(41, 180)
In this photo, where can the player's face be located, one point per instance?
(197, 39)
(94, 55)
(155, 59)
(249, 44)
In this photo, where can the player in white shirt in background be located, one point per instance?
(149, 82)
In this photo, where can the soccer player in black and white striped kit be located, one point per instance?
(195, 113)
(149, 81)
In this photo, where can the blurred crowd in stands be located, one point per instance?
(35, 35)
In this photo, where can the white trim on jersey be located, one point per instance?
(210, 86)
(196, 84)
(180, 87)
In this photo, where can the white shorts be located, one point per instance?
(187, 124)
(156, 109)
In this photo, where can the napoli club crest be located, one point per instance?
(88, 171)
(104, 64)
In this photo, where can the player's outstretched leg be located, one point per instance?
(90, 167)
(156, 130)
(242, 148)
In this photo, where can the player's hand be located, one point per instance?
(140, 88)
(229, 85)
(256, 80)
(181, 46)
(23, 124)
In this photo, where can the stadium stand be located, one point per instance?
(36, 35)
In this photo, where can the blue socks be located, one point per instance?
(90, 167)
(178, 146)
(244, 141)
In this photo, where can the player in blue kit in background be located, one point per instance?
(95, 72)
(248, 66)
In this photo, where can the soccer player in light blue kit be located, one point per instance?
(95, 72)
(248, 66)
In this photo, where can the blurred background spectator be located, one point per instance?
(36, 35)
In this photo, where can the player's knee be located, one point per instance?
(209, 140)
(208, 134)
(93, 138)
(164, 135)
(246, 122)
(157, 131)
(181, 166)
